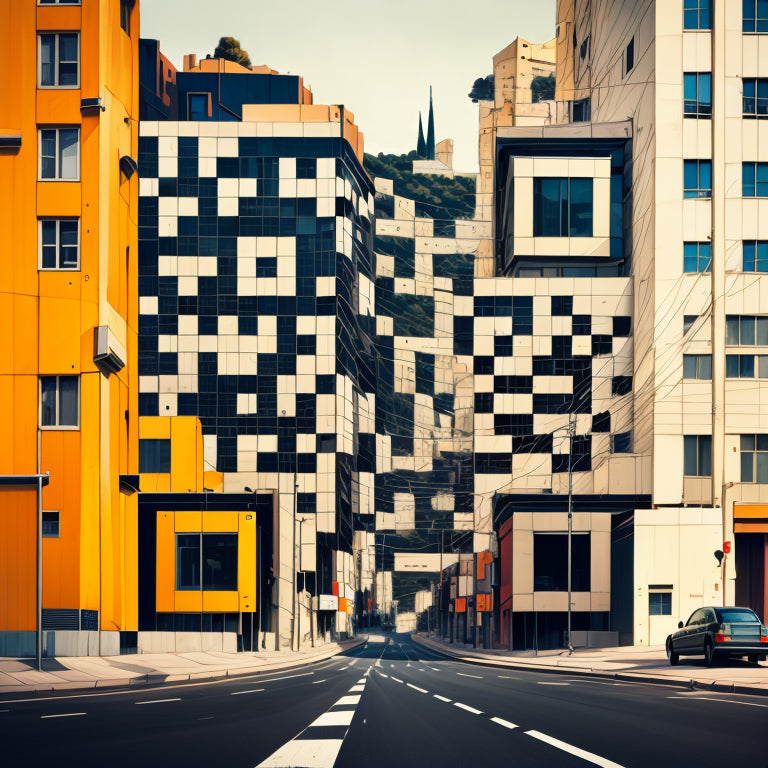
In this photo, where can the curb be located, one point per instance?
(635, 677)
(159, 679)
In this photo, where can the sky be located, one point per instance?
(377, 58)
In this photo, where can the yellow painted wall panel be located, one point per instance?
(59, 18)
(24, 352)
(154, 428)
(59, 336)
(18, 427)
(166, 563)
(189, 522)
(225, 602)
(57, 198)
(246, 563)
(58, 106)
(220, 522)
(151, 482)
(188, 602)
(185, 458)
(17, 560)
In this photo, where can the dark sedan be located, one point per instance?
(717, 633)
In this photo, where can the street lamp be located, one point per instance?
(22, 483)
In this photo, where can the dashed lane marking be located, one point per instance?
(467, 708)
(396, 679)
(317, 682)
(416, 688)
(441, 698)
(64, 714)
(582, 753)
(508, 677)
(544, 682)
(723, 701)
(505, 723)
(157, 701)
(356, 688)
(462, 674)
(240, 693)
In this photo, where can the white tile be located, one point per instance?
(167, 167)
(187, 206)
(287, 167)
(228, 188)
(226, 147)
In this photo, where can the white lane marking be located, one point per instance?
(583, 754)
(66, 714)
(396, 679)
(240, 693)
(353, 662)
(434, 669)
(378, 662)
(4, 710)
(337, 717)
(542, 682)
(381, 674)
(156, 701)
(316, 682)
(345, 700)
(287, 677)
(362, 679)
(724, 701)
(416, 688)
(441, 698)
(503, 722)
(357, 688)
(468, 709)
(508, 677)
(310, 753)
(477, 677)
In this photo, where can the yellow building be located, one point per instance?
(68, 313)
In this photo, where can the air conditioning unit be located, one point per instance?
(108, 353)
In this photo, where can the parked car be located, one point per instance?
(719, 632)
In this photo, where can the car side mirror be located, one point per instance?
(679, 624)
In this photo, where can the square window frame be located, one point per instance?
(57, 219)
(57, 128)
(57, 427)
(56, 86)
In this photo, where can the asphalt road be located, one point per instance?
(387, 703)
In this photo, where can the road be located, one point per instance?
(386, 703)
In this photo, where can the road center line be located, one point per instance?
(503, 722)
(286, 677)
(66, 714)
(724, 701)
(544, 682)
(477, 677)
(441, 698)
(416, 688)
(396, 679)
(240, 693)
(468, 709)
(316, 682)
(508, 677)
(583, 754)
(156, 701)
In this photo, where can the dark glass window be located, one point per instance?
(59, 244)
(58, 65)
(754, 16)
(697, 257)
(754, 179)
(126, 9)
(198, 106)
(621, 442)
(697, 367)
(697, 455)
(697, 14)
(582, 112)
(755, 255)
(754, 458)
(746, 330)
(59, 401)
(550, 562)
(206, 561)
(50, 525)
(601, 422)
(621, 385)
(155, 456)
(629, 57)
(755, 100)
(562, 207)
(659, 603)
(697, 94)
(697, 178)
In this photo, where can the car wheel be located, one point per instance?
(709, 653)
(672, 655)
(753, 658)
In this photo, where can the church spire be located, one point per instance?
(430, 130)
(421, 147)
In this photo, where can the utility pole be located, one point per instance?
(571, 429)
(295, 585)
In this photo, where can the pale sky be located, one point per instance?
(376, 58)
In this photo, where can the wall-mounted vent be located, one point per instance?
(10, 139)
(86, 105)
(108, 353)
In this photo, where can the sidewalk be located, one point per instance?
(72, 672)
(627, 663)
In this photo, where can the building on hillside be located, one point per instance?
(256, 293)
(68, 149)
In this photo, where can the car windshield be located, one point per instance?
(737, 614)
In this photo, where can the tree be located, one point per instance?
(482, 89)
(229, 49)
(543, 88)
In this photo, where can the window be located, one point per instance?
(198, 106)
(697, 455)
(659, 603)
(59, 401)
(550, 562)
(755, 101)
(621, 442)
(629, 57)
(50, 525)
(58, 60)
(688, 321)
(59, 244)
(746, 330)
(697, 178)
(585, 47)
(155, 456)
(562, 207)
(601, 422)
(755, 16)
(58, 2)
(126, 8)
(746, 366)
(697, 14)
(206, 561)
(697, 367)
(582, 111)
(754, 179)
(754, 458)
(697, 257)
(755, 255)
(697, 94)
(59, 154)
(621, 385)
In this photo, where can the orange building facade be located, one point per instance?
(68, 313)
